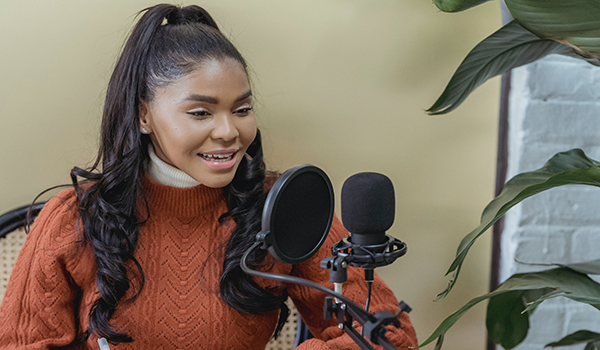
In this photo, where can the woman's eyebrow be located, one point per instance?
(244, 96)
(213, 100)
(201, 98)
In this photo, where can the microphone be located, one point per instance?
(368, 209)
(296, 219)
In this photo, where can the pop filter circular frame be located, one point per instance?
(297, 214)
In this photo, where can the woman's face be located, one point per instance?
(203, 122)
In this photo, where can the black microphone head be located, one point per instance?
(368, 204)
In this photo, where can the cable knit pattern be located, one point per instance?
(180, 248)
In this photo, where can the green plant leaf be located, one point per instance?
(450, 320)
(566, 168)
(591, 267)
(457, 5)
(508, 302)
(551, 294)
(509, 47)
(507, 325)
(507, 317)
(592, 346)
(577, 338)
(591, 60)
(576, 22)
(438, 344)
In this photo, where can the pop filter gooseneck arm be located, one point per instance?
(301, 281)
(296, 220)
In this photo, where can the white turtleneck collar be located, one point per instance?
(166, 174)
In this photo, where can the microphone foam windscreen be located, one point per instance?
(368, 203)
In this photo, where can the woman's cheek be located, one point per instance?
(250, 131)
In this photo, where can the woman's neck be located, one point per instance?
(168, 175)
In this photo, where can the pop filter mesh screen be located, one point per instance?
(303, 213)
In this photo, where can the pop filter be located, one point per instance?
(297, 214)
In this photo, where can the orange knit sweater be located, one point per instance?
(53, 284)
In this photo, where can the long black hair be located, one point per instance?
(167, 43)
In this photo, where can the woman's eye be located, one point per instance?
(201, 114)
(243, 111)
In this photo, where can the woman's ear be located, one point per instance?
(143, 112)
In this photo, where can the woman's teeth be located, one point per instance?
(217, 157)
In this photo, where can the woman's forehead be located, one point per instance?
(218, 79)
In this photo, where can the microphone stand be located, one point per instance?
(373, 327)
(345, 310)
(345, 316)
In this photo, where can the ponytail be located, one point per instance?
(108, 206)
(190, 14)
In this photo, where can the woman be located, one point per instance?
(145, 250)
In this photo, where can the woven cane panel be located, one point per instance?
(9, 250)
(285, 340)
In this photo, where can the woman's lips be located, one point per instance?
(219, 160)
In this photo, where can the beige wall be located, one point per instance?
(342, 84)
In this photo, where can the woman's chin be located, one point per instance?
(215, 180)
(216, 184)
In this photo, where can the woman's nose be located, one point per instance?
(225, 128)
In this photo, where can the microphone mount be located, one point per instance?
(369, 256)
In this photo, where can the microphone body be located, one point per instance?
(368, 210)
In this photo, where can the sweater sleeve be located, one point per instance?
(39, 308)
(309, 302)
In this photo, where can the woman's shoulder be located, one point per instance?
(56, 226)
(52, 250)
(61, 205)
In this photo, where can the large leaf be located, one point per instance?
(591, 60)
(577, 338)
(591, 267)
(507, 317)
(566, 168)
(576, 22)
(457, 5)
(509, 47)
(506, 323)
(551, 294)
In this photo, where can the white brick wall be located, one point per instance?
(554, 106)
